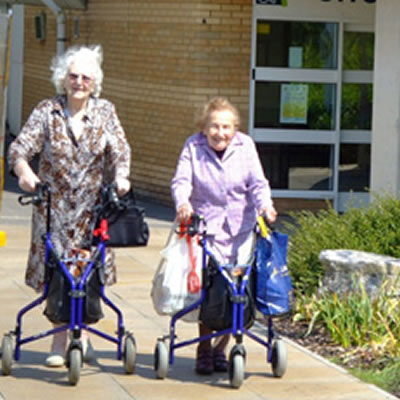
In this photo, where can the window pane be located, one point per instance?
(356, 106)
(358, 51)
(295, 105)
(354, 169)
(297, 167)
(296, 44)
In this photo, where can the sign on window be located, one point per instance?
(294, 100)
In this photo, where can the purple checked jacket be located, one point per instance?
(232, 188)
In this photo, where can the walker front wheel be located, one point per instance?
(129, 355)
(6, 354)
(161, 360)
(279, 358)
(236, 370)
(74, 365)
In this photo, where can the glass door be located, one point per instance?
(311, 107)
(356, 115)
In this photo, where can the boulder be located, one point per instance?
(345, 270)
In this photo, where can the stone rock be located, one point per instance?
(347, 270)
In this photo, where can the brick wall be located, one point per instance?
(162, 59)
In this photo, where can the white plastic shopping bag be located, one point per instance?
(173, 288)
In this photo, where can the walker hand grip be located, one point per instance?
(192, 227)
(113, 198)
(34, 198)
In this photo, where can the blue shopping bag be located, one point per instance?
(274, 290)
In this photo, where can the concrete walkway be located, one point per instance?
(308, 376)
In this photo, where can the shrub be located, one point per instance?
(375, 229)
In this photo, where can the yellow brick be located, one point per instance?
(162, 60)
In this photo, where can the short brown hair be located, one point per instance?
(216, 104)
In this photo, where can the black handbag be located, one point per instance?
(58, 305)
(216, 311)
(126, 223)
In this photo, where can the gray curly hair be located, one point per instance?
(216, 104)
(61, 64)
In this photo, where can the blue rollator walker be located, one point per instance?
(239, 281)
(80, 300)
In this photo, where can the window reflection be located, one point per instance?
(356, 110)
(354, 169)
(318, 112)
(296, 44)
(358, 51)
(297, 166)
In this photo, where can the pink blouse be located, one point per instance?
(229, 189)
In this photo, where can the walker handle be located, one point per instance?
(34, 198)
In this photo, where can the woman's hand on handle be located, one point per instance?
(184, 212)
(27, 179)
(269, 213)
(123, 185)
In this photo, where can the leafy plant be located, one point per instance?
(355, 320)
(375, 228)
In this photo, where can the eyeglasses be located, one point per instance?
(85, 79)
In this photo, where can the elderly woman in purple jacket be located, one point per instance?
(219, 176)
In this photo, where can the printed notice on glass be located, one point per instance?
(294, 99)
(295, 57)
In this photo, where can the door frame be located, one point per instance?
(360, 18)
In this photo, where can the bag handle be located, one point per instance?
(264, 226)
(193, 281)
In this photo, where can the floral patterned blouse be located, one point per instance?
(75, 171)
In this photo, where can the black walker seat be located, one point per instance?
(72, 301)
(229, 309)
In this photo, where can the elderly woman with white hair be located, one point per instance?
(81, 144)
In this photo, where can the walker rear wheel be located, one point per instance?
(6, 354)
(74, 365)
(279, 358)
(161, 360)
(129, 354)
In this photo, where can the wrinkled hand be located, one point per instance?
(123, 185)
(184, 212)
(28, 180)
(269, 213)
